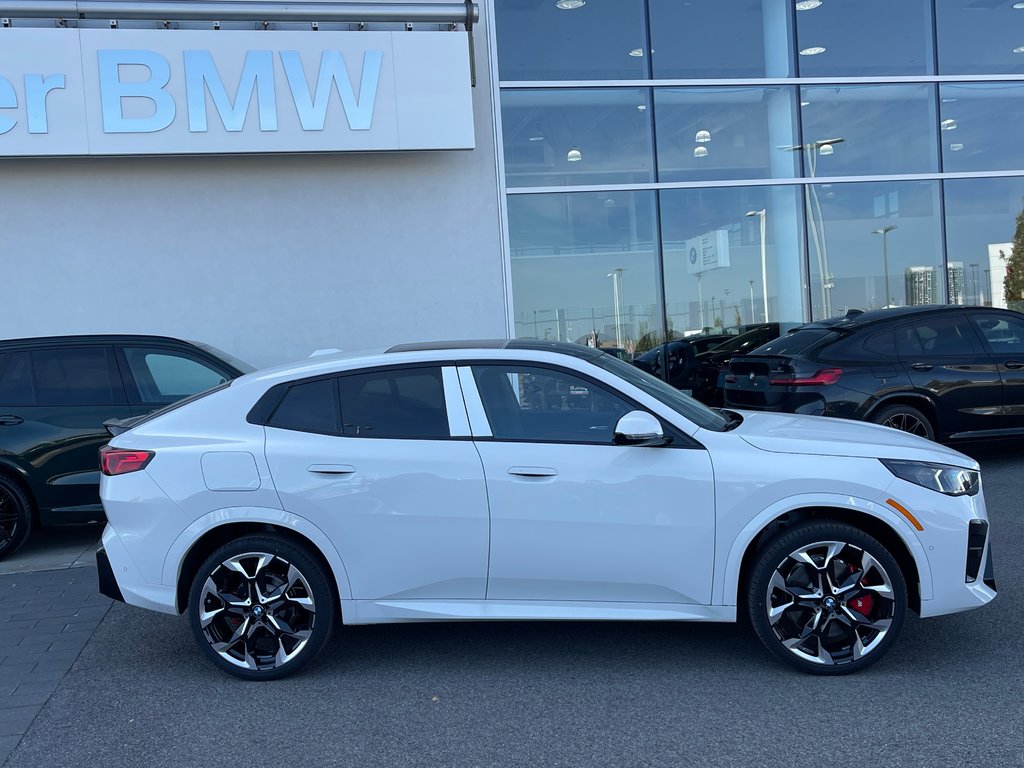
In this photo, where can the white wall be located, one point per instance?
(266, 257)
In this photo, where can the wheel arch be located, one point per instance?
(876, 526)
(184, 566)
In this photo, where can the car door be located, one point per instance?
(574, 516)
(380, 460)
(1003, 335)
(53, 402)
(944, 358)
(156, 376)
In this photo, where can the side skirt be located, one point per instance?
(400, 611)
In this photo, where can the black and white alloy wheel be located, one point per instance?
(827, 598)
(261, 607)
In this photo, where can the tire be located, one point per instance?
(905, 418)
(826, 598)
(261, 607)
(15, 517)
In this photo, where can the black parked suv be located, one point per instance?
(55, 394)
(682, 358)
(942, 372)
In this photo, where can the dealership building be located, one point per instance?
(278, 177)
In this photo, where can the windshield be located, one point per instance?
(696, 412)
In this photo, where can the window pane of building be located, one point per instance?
(877, 244)
(725, 133)
(720, 38)
(867, 37)
(980, 37)
(981, 125)
(587, 136)
(720, 272)
(585, 268)
(981, 218)
(571, 40)
(869, 129)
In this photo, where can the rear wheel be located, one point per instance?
(827, 598)
(906, 419)
(15, 517)
(261, 607)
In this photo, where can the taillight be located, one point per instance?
(117, 461)
(826, 376)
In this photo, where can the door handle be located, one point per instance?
(532, 471)
(10, 421)
(921, 366)
(1011, 364)
(331, 469)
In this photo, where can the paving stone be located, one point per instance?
(7, 745)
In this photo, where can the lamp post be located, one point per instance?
(700, 298)
(751, 284)
(763, 213)
(884, 232)
(616, 276)
(813, 149)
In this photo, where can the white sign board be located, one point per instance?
(707, 252)
(160, 92)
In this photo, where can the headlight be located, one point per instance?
(952, 481)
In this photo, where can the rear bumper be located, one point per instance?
(108, 584)
(125, 580)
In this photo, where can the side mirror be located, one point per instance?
(639, 428)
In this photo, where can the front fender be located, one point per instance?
(727, 585)
(278, 517)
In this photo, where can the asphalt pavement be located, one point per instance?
(557, 694)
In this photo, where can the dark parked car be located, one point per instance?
(55, 394)
(682, 358)
(713, 364)
(941, 372)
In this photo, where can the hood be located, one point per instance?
(825, 436)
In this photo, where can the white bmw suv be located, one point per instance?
(528, 480)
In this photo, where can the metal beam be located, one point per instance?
(240, 10)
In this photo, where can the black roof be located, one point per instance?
(563, 347)
(91, 338)
(857, 319)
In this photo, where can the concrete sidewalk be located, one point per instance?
(63, 546)
(46, 618)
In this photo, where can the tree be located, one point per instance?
(1013, 285)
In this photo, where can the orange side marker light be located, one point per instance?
(905, 512)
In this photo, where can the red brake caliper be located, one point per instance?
(863, 604)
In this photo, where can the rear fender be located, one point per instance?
(277, 517)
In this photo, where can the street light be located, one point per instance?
(763, 213)
(884, 232)
(616, 276)
(813, 149)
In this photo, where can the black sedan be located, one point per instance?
(942, 372)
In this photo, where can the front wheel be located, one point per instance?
(15, 517)
(827, 598)
(261, 607)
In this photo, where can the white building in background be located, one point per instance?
(995, 274)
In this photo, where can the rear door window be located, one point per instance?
(397, 403)
(16, 379)
(937, 336)
(76, 376)
(163, 375)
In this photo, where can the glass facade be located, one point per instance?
(677, 167)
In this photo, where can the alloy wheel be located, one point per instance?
(907, 422)
(830, 603)
(9, 514)
(257, 611)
